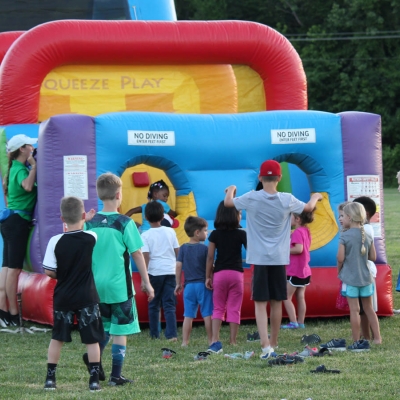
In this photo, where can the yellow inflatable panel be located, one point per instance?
(324, 227)
(250, 89)
(98, 89)
(137, 196)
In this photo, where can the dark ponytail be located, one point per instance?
(6, 180)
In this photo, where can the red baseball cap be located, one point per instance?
(270, 168)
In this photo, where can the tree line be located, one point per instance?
(350, 51)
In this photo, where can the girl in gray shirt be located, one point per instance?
(355, 248)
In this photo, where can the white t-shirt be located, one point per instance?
(160, 243)
(369, 230)
(268, 225)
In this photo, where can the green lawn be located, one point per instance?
(373, 375)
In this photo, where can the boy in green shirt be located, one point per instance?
(117, 238)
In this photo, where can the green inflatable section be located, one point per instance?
(3, 153)
(285, 185)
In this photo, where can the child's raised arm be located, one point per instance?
(315, 197)
(135, 210)
(230, 193)
(172, 213)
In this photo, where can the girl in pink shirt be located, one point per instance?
(298, 272)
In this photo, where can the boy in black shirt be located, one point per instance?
(68, 259)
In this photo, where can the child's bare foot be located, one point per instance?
(174, 339)
(233, 343)
(376, 341)
(184, 344)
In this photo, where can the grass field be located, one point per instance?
(372, 375)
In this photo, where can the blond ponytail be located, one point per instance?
(363, 249)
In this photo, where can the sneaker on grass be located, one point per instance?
(265, 355)
(215, 348)
(359, 345)
(290, 325)
(253, 337)
(94, 387)
(335, 344)
(4, 319)
(50, 385)
(113, 381)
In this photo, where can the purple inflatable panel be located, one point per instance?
(362, 155)
(61, 136)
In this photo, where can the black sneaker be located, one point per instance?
(14, 320)
(118, 381)
(311, 339)
(50, 385)
(102, 375)
(94, 387)
(4, 319)
(335, 344)
(253, 337)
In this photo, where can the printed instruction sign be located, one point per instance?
(293, 136)
(151, 138)
(367, 185)
(76, 176)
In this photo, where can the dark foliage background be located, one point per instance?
(350, 51)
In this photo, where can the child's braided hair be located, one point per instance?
(156, 187)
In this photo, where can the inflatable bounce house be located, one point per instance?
(198, 104)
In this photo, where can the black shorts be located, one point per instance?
(90, 325)
(15, 232)
(269, 283)
(298, 282)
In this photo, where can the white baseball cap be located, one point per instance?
(18, 141)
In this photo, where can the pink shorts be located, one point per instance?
(228, 295)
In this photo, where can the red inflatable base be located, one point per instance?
(37, 296)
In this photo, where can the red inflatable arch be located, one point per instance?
(47, 46)
(6, 40)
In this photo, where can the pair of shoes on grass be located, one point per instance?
(293, 325)
(253, 337)
(240, 356)
(323, 369)
(167, 353)
(310, 339)
(51, 385)
(113, 381)
(314, 352)
(201, 356)
(285, 359)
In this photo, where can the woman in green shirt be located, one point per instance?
(21, 191)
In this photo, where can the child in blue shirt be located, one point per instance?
(159, 191)
(192, 259)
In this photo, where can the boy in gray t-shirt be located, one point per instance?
(268, 245)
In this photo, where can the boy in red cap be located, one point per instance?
(268, 245)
